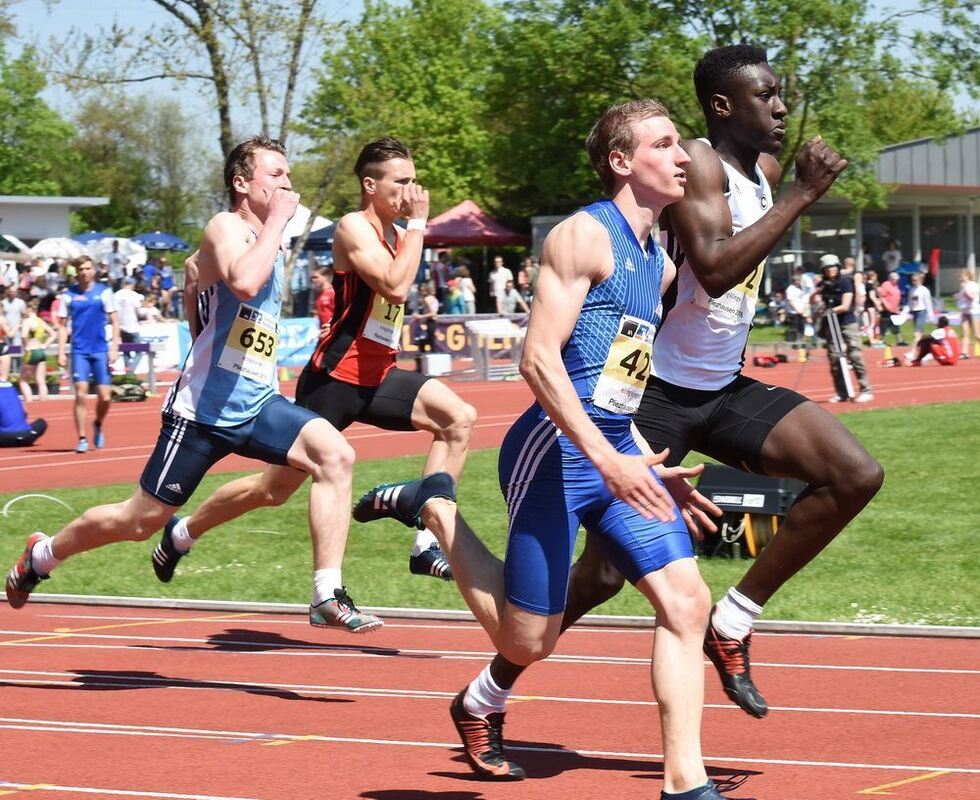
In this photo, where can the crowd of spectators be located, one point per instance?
(31, 293)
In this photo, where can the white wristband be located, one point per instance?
(415, 225)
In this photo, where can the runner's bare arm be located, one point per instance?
(576, 255)
(229, 254)
(357, 247)
(702, 222)
(114, 339)
(670, 272)
(190, 291)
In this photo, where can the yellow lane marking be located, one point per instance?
(62, 633)
(880, 789)
(291, 739)
(24, 788)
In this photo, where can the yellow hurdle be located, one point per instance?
(284, 374)
(976, 349)
(801, 355)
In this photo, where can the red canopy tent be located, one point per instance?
(467, 224)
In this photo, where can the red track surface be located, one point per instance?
(137, 703)
(131, 429)
(219, 705)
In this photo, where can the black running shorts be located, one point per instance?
(729, 424)
(387, 406)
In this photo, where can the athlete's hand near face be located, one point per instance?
(283, 204)
(817, 167)
(415, 202)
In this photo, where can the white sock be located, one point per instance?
(42, 559)
(180, 536)
(324, 582)
(483, 696)
(735, 614)
(424, 539)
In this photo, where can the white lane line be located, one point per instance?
(122, 681)
(386, 651)
(51, 787)
(15, 723)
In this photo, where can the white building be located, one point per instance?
(33, 218)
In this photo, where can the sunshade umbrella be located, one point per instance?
(100, 249)
(93, 236)
(158, 240)
(57, 247)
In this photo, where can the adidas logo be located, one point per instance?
(629, 264)
(173, 487)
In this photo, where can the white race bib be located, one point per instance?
(384, 325)
(250, 349)
(624, 375)
(737, 305)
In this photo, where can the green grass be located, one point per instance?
(910, 557)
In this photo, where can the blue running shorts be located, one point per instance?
(186, 450)
(90, 368)
(551, 489)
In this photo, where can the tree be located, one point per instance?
(141, 156)
(208, 41)
(416, 71)
(34, 156)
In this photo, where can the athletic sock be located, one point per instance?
(735, 614)
(690, 794)
(180, 536)
(424, 539)
(483, 696)
(42, 559)
(324, 582)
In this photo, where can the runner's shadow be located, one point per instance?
(243, 640)
(119, 680)
(556, 760)
(420, 794)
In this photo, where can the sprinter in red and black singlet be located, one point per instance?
(345, 353)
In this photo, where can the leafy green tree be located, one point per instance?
(417, 71)
(140, 155)
(34, 157)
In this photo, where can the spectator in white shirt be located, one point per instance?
(129, 303)
(512, 299)
(968, 303)
(919, 304)
(497, 278)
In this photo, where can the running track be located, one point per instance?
(131, 429)
(154, 703)
(147, 703)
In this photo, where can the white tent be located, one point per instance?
(57, 247)
(297, 224)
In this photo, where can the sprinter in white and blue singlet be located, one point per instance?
(697, 399)
(572, 459)
(226, 398)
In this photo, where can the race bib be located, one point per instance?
(624, 375)
(737, 305)
(384, 325)
(250, 349)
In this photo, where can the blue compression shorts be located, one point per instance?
(551, 489)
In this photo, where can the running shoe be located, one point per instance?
(431, 562)
(82, 446)
(98, 439)
(340, 612)
(707, 792)
(836, 399)
(403, 501)
(864, 397)
(731, 659)
(165, 554)
(22, 578)
(483, 743)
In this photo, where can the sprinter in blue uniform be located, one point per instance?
(226, 399)
(573, 459)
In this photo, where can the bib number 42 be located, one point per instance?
(637, 362)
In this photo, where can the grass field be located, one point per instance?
(911, 557)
